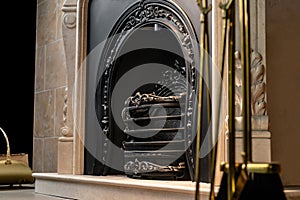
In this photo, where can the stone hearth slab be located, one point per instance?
(86, 187)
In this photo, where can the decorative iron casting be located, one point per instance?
(171, 16)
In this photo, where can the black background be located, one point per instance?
(18, 35)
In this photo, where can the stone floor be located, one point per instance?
(27, 192)
(23, 193)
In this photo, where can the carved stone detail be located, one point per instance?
(258, 86)
(238, 84)
(69, 18)
(66, 153)
(69, 10)
(65, 130)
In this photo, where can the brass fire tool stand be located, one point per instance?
(247, 180)
(203, 68)
(226, 8)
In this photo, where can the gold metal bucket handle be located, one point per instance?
(8, 160)
(14, 171)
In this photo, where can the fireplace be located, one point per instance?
(141, 90)
(87, 29)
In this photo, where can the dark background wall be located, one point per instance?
(283, 81)
(18, 28)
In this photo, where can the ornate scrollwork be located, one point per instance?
(143, 14)
(139, 99)
(69, 10)
(65, 130)
(258, 88)
(69, 20)
(138, 167)
(174, 82)
(150, 11)
(238, 84)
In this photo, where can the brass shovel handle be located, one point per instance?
(8, 161)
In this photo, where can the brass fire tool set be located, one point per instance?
(249, 179)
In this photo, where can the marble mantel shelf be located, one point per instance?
(114, 187)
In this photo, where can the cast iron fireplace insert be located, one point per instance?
(141, 110)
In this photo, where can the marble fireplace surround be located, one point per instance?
(70, 145)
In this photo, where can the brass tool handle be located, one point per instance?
(244, 20)
(225, 18)
(8, 161)
(204, 10)
(231, 107)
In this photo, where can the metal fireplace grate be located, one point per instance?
(155, 145)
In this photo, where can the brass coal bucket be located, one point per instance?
(14, 171)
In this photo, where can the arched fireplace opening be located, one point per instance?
(143, 117)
